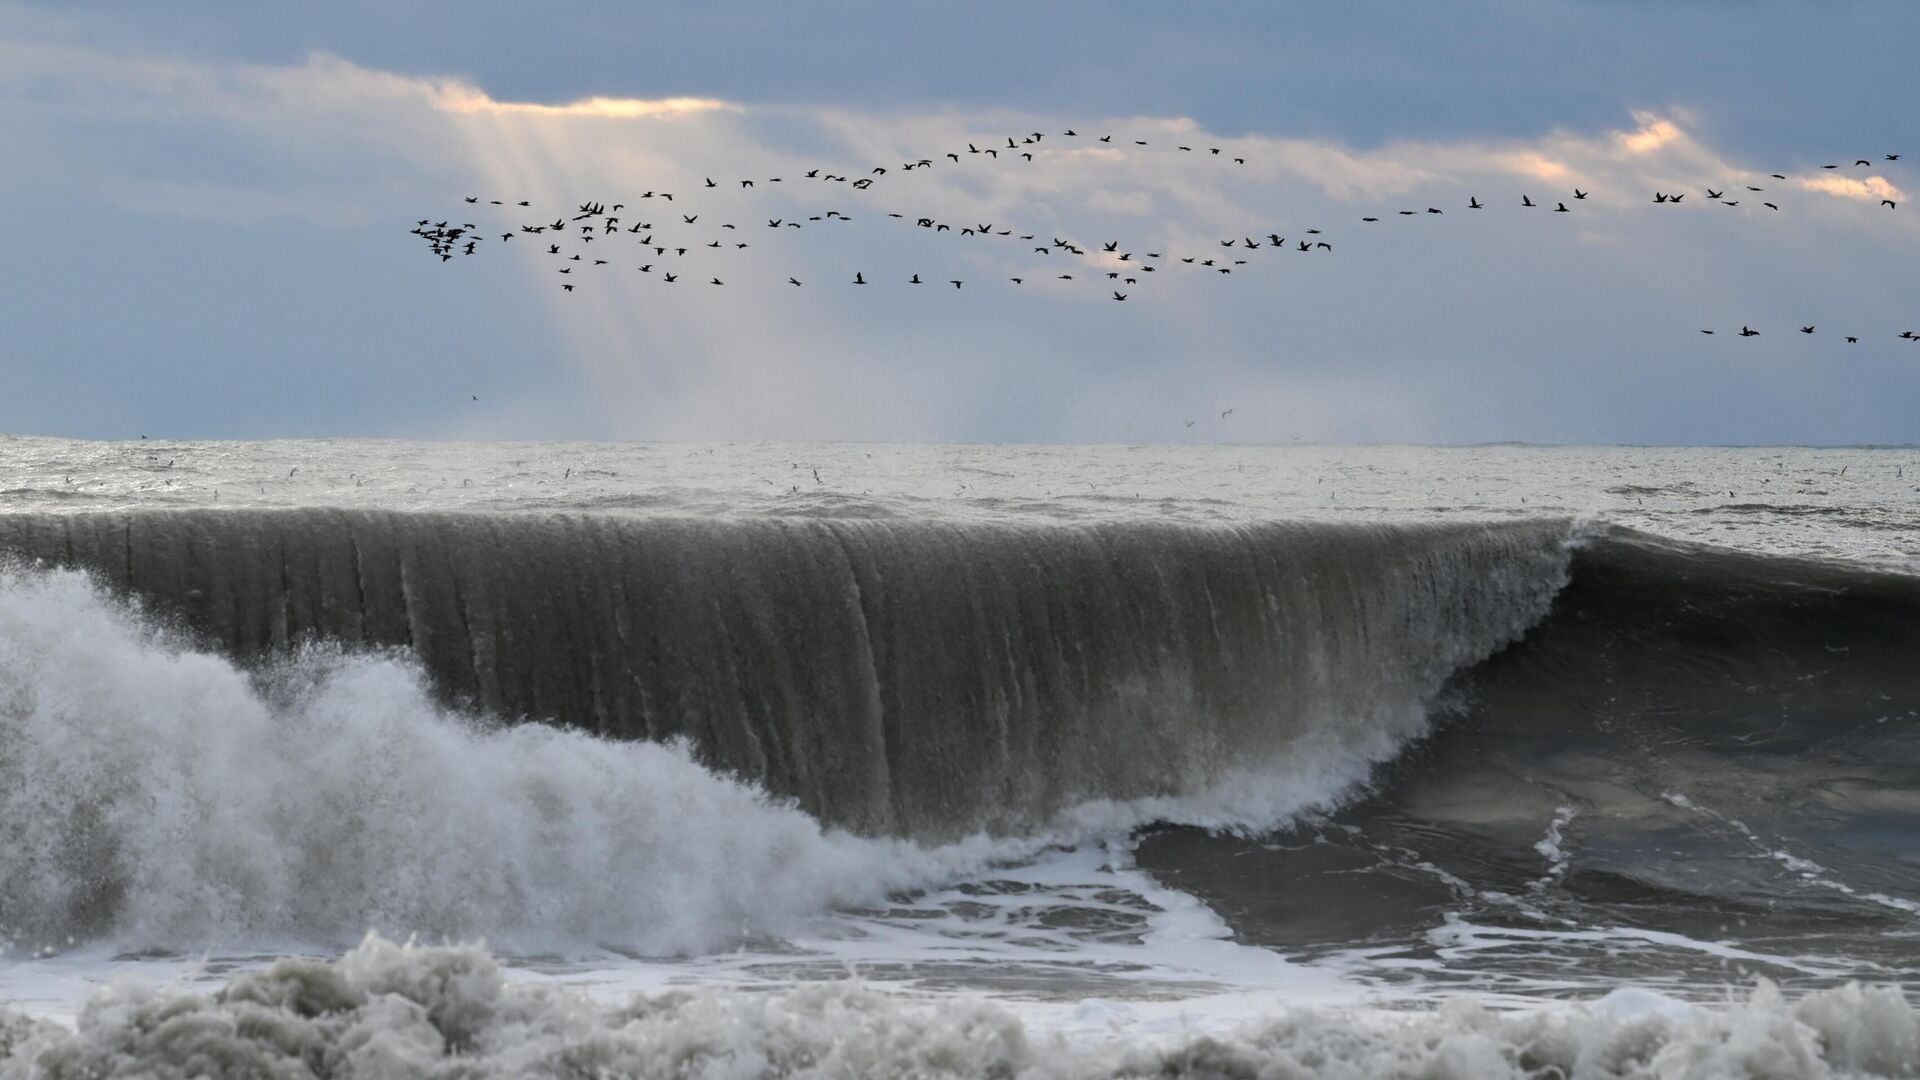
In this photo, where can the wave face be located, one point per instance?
(916, 679)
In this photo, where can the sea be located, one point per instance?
(475, 759)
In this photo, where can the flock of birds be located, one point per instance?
(668, 254)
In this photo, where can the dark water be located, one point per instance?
(1732, 742)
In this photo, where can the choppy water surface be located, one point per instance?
(1125, 740)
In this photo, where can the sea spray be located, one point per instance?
(160, 795)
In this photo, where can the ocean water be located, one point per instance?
(377, 758)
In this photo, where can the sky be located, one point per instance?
(207, 209)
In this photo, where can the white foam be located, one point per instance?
(389, 1010)
(160, 796)
(1551, 848)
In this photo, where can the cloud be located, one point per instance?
(1653, 134)
(1870, 188)
(460, 98)
(1364, 343)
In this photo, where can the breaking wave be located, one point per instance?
(295, 729)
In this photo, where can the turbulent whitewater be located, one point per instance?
(1174, 725)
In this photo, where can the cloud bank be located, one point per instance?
(1467, 325)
